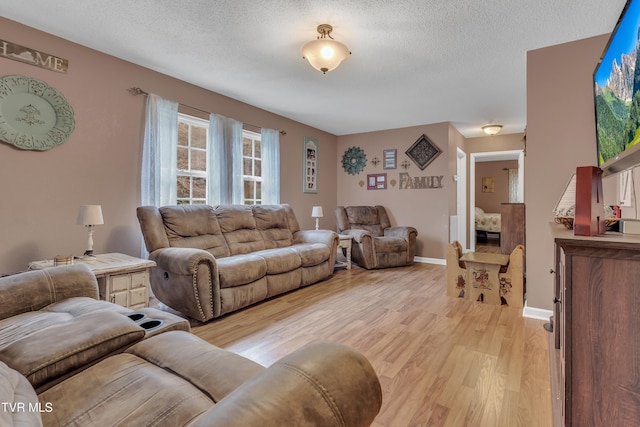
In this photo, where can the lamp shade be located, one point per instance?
(90, 215)
(316, 212)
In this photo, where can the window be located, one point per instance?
(251, 168)
(192, 160)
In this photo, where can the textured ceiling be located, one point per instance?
(413, 62)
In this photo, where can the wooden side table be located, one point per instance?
(345, 243)
(122, 279)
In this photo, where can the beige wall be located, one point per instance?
(490, 201)
(425, 209)
(560, 137)
(100, 163)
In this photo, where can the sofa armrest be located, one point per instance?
(359, 235)
(180, 260)
(328, 237)
(186, 279)
(33, 290)
(400, 231)
(67, 347)
(320, 384)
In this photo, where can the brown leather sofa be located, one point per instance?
(172, 378)
(376, 244)
(213, 260)
(52, 324)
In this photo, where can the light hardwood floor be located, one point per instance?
(441, 361)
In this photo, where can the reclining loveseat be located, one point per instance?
(212, 260)
(69, 359)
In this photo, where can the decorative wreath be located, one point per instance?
(354, 160)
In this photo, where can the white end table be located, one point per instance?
(345, 243)
(122, 279)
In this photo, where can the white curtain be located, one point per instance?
(159, 179)
(225, 161)
(270, 166)
(513, 185)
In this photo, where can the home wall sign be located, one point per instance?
(30, 56)
(33, 115)
(423, 152)
(419, 182)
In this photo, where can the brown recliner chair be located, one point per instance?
(375, 243)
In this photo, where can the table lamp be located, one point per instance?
(90, 216)
(316, 213)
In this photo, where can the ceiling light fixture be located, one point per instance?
(324, 54)
(492, 129)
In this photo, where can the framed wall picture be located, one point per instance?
(488, 184)
(423, 152)
(389, 159)
(310, 166)
(377, 181)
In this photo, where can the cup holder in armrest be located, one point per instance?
(136, 317)
(151, 324)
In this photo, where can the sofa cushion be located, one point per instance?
(281, 260)
(51, 352)
(366, 218)
(194, 226)
(19, 398)
(390, 244)
(312, 253)
(124, 390)
(238, 270)
(239, 228)
(273, 224)
(33, 290)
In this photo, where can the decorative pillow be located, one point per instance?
(19, 398)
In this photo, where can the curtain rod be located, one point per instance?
(137, 91)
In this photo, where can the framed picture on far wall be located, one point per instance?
(389, 158)
(377, 181)
(310, 166)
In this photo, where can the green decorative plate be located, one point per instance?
(354, 160)
(33, 115)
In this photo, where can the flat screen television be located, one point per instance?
(617, 95)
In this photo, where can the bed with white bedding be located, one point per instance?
(487, 223)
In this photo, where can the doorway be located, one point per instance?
(461, 197)
(491, 157)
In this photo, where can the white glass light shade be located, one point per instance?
(324, 54)
(316, 212)
(492, 129)
(90, 215)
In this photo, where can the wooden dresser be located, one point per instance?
(512, 228)
(596, 360)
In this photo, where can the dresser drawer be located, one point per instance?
(120, 282)
(138, 296)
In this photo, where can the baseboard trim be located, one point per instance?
(424, 260)
(536, 313)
